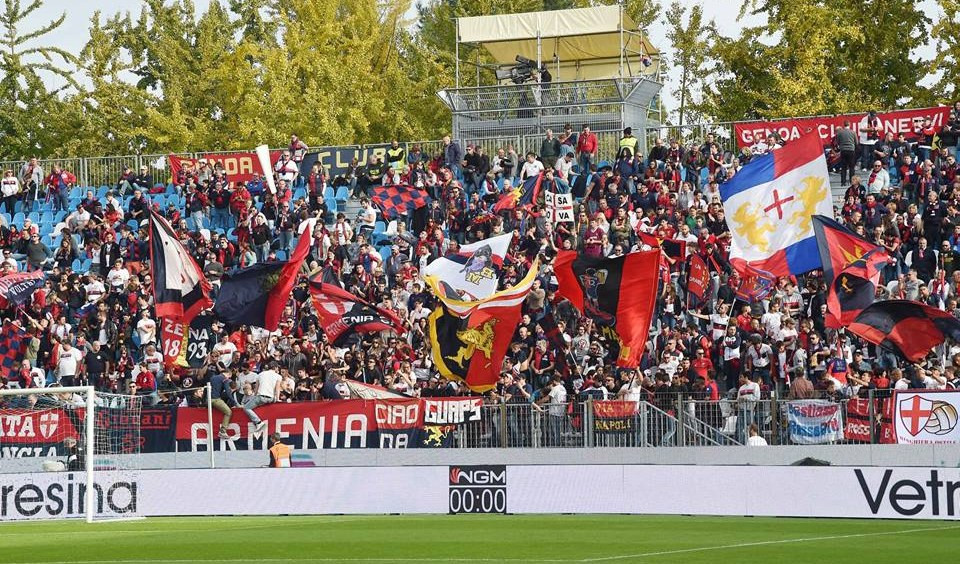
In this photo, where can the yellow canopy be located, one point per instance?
(585, 41)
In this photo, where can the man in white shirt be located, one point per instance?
(748, 394)
(772, 319)
(95, 289)
(146, 329)
(118, 276)
(531, 167)
(556, 397)
(286, 168)
(154, 361)
(68, 364)
(268, 391)
(226, 350)
(564, 166)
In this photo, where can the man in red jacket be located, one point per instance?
(58, 184)
(586, 149)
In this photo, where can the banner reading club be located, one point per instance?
(769, 205)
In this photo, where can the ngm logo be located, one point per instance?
(478, 489)
(478, 475)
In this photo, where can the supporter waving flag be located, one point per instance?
(618, 293)
(851, 268)
(256, 295)
(472, 273)
(464, 308)
(910, 329)
(521, 196)
(180, 290)
(343, 315)
(394, 200)
(770, 204)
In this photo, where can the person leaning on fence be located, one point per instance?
(279, 452)
(222, 399)
(748, 394)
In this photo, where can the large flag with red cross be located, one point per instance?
(770, 204)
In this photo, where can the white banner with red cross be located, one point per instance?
(926, 416)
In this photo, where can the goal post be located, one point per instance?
(68, 452)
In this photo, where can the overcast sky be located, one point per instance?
(74, 33)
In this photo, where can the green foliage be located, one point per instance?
(688, 37)
(814, 57)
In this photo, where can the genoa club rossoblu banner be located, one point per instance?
(896, 122)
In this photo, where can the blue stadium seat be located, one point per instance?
(299, 193)
(46, 229)
(18, 219)
(7, 218)
(86, 265)
(342, 194)
(171, 189)
(102, 192)
(47, 217)
(704, 173)
(34, 217)
(76, 192)
(329, 193)
(18, 207)
(77, 265)
(60, 216)
(332, 205)
(379, 227)
(46, 206)
(47, 240)
(385, 252)
(282, 254)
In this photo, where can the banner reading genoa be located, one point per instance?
(240, 167)
(896, 122)
(618, 293)
(395, 423)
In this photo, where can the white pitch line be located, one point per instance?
(763, 543)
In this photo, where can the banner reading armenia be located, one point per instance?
(900, 121)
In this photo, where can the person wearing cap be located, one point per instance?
(279, 452)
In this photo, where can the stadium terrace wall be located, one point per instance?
(859, 492)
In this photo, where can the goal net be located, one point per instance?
(68, 453)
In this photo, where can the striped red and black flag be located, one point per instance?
(13, 347)
(522, 196)
(618, 294)
(910, 329)
(552, 332)
(851, 269)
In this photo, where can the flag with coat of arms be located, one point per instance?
(769, 206)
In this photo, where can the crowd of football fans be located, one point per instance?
(93, 321)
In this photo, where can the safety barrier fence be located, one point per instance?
(678, 420)
(106, 170)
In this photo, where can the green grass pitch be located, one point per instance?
(480, 538)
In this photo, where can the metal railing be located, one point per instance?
(673, 420)
(105, 170)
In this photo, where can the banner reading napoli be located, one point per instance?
(926, 417)
(825, 127)
(770, 204)
(814, 422)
